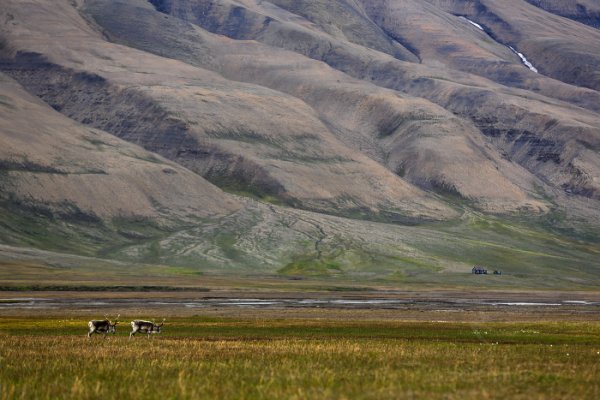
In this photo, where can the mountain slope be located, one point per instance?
(60, 164)
(548, 137)
(233, 136)
(561, 48)
(346, 139)
(410, 136)
(584, 11)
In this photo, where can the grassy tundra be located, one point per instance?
(301, 359)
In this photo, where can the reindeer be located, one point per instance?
(103, 326)
(148, 327)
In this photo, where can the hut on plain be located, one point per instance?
(479, 270)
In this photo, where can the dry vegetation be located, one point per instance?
(301, 359)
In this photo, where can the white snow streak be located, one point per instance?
(525, 61)
(475, 24)
(521, 56)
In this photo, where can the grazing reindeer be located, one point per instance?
(148, 327)
(103, 326)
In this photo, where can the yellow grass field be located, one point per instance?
(262, 358)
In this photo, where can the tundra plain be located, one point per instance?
(232, 353)
(266, 338)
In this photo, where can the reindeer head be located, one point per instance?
(112, 325)
(157, 327)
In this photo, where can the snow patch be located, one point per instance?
(475, 24)
(525, 61)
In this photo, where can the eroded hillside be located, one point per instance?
(267, 134)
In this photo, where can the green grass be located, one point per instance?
(35, 225)
(521, 248)
(254, 242)
(312, 266)
(303, 359)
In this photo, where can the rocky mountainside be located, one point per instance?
(584, 11)
(329, 137)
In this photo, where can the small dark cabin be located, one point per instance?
(479, 270)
